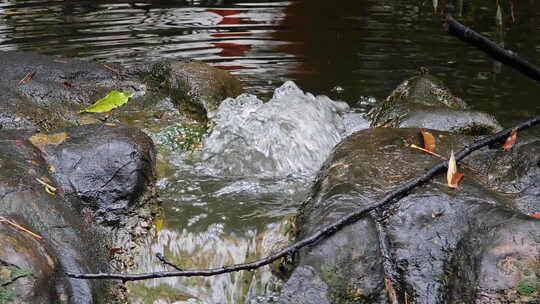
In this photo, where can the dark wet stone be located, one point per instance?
(68, 242)
(61, 87)
(27, 269)
(107, 167)
(194, 87)
(473, 244)
(423, 102)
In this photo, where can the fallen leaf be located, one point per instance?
(68, 84)
(111, 69)
(536, 214)
(392, 295)
(113, 100)
(41, 139)
(114, 251)
(453, 177)
(498, 16)
(159, 224)
(510, 141)
(429, 141)
(28, 77)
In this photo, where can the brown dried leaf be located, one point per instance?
(510, 141)
(40, 139)
(429, 141)
(111, 69)
(114, 251)
(392, 295)
(453, 177)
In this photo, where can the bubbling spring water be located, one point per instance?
(293, 133)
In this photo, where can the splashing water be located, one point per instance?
(237, 204)
(293, 133)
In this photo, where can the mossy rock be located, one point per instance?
(424, 102)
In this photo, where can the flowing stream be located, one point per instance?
(233, 203)
(219, 208)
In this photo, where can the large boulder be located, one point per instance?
(46, 92)
(436, 245)
(107, 167)
(52, 184)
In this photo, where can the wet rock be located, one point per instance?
(106, 167)
(440, 245)
(92, 168)
(194, 87)
(515, 172)
(27, 269)
(68, 242)
(59, 88)
(423, 102)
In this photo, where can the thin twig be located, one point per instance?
(27, 78)
(17, 226)
(163, 260)
(390, 198)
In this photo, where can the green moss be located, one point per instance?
(527, 287)
(6, 296)
(147, 295)
(182, 136)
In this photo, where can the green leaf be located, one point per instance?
(113, 100)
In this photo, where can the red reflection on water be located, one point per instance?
(230, 67)
(226, 13)
(231, 49)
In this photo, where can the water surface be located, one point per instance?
(363, 47)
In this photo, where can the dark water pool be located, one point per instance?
(364, 47)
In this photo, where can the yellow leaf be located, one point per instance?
(41, 139)
(112, 101)
(159, 223)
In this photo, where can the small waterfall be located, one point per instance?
(293, 133)
(235, 205)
